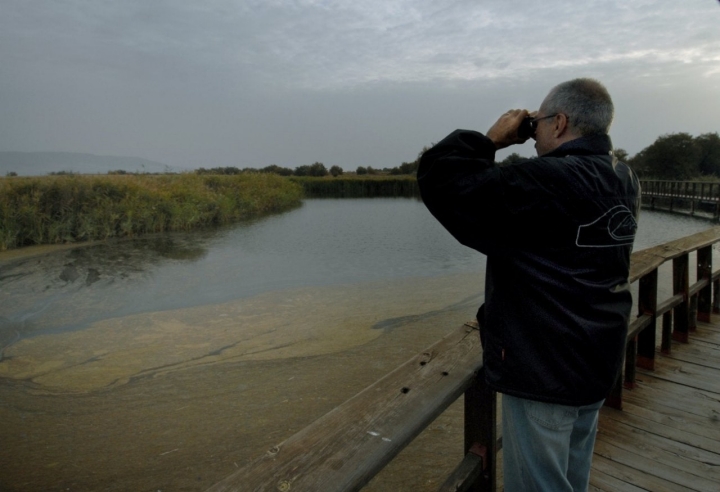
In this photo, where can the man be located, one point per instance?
(558, 232)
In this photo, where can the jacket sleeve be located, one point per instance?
(462, 187)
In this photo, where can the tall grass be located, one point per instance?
(359, 187)
(61, 209)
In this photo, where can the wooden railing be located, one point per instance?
(680, 311)
(691, 193)
(346, 448)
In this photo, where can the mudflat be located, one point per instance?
(177, 400)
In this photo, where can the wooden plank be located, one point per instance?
(602, 481)
(647, 307)
(669, 303)
(697, 357)
(709, 327)
(465, 474)
(686, 374)
(681, 312)
(686, 399)
(672, 418)
(345, 448)
(710, 336)
(604, 461)
(698, 286)
(638, 324)
(666, 451)
(706, 337)
(644, 261)
(645, 463)
(704, 272)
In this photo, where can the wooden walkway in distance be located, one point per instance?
(667, 437)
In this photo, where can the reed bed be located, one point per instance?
(359, 187)
(64, 209)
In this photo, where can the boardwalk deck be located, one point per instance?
(667, 437)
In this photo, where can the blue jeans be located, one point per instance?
(547, 447)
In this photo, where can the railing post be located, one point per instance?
(614, 399)
(692, 200)
(666, 343)
(704, 271)
(480, 428)
(647, 305)
(672, 195)
(681, 312)
(692, 313)
(630, 363)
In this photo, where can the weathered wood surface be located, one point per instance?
(344, 449)
(643, 262)
(667, 437)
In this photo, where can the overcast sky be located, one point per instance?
(250, 83)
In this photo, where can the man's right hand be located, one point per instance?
(504, 132)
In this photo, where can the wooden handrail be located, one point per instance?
(346, 448)
(679, 312)
(647, 260)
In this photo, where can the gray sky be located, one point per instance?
(357, 82)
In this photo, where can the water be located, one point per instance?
(167, 362)
(325, 242)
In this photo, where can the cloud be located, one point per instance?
(181, 79)
(332, 44)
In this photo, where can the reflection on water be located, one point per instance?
(326, 242)
(168, 360)
(73, 287)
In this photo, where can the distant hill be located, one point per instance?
(42, 163)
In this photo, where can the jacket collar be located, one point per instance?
(599, 144)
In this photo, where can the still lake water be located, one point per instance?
(168, 362)
(324, 242)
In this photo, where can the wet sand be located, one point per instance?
(177, 400)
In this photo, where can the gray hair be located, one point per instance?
(586, 103)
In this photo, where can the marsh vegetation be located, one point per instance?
(67, 209)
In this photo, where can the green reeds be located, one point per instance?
(359, 187)
(62, 209)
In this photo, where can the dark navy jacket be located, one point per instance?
(558, 232)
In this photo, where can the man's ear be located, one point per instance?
(561, 125)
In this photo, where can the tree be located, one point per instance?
(275, 169)
(317, 169)
(708, 145)
(409, 167)
(675, 156)
(621, 154)
(336, 171)
(513, 158)
(302, 171)
(361, 170)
